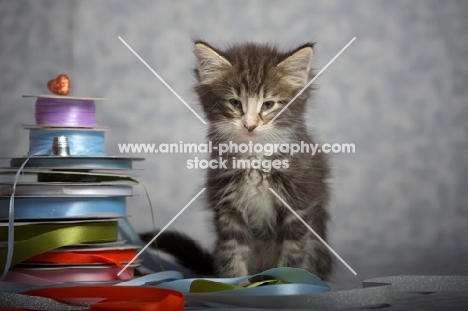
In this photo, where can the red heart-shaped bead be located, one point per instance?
(60, 85)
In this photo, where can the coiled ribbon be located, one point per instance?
(63, 207)
(295, 280)
(84, 269)
(81, 142)
(80, 256)
(84, 273)
(6, 257)
(65, 112)
(33, 239)
(55, 188)
(118, 298)
(75, 162)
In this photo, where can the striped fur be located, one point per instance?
(255, 231)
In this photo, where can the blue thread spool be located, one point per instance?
(82, 142)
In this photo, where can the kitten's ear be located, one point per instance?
(297, 65)
(209, 63)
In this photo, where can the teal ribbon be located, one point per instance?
(11, 215)
(301, 282)
(49, 207)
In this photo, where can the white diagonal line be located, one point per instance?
(164, 82)
(162, 230)
(311, 81)
(312, 230)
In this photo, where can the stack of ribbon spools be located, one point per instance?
(61, 225)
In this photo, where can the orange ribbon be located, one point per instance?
(118, 297)
(116, 257)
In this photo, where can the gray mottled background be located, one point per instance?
(399, 93)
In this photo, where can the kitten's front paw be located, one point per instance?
(231, 259)
(232, 271)
(321, 260)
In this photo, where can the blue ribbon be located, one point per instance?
(62, 207)
(74, 162)
(302, 283)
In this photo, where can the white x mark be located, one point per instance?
(313, 79)
(164, 82)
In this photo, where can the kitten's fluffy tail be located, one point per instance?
(188, 253)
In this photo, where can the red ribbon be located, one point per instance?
(118, 297)
(116, 256)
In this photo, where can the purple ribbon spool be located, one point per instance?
(65, 112)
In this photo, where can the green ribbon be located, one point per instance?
(35, 239)
(207, 286)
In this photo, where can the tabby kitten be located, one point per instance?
(241, 89)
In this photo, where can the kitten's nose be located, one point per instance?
(250, 128)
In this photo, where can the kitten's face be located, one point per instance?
(243, 88)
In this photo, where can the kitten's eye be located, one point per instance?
(236, 104)
(267, 105)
